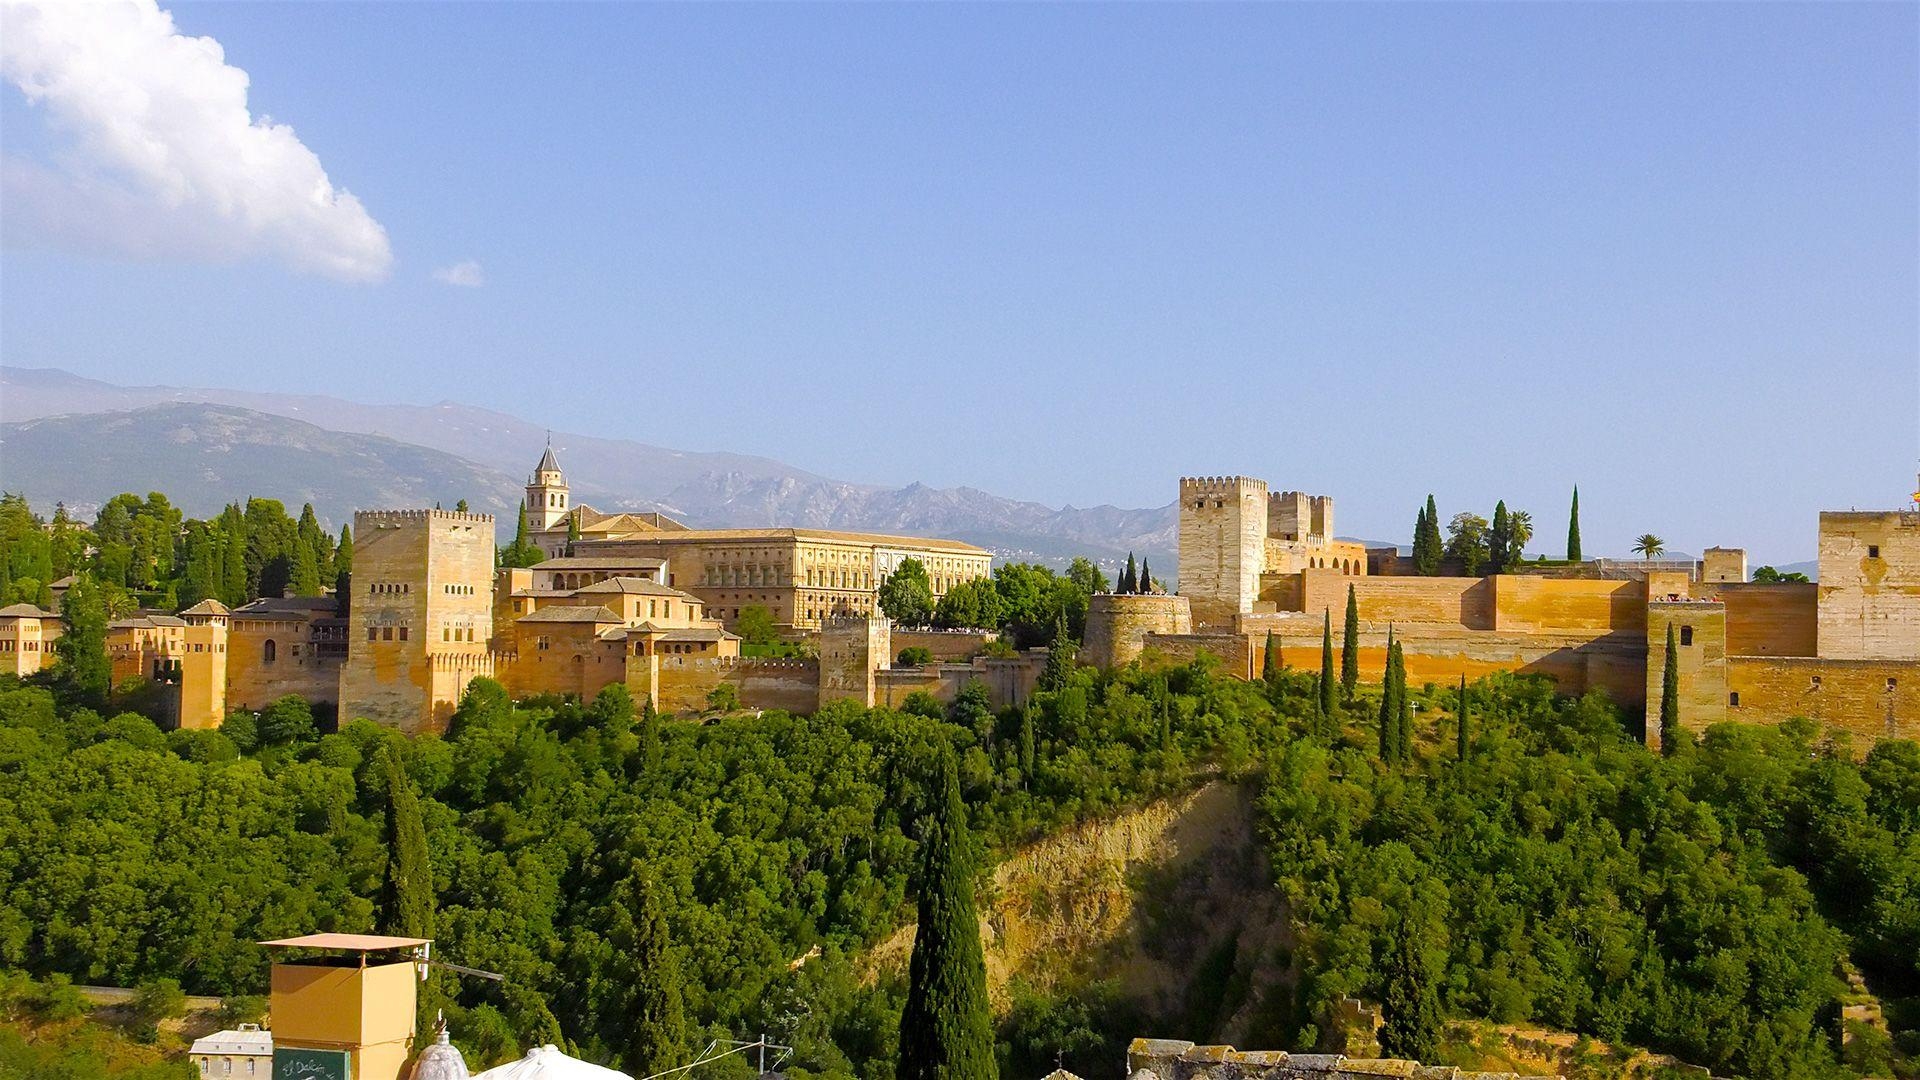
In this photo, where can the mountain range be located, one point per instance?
(68, 438)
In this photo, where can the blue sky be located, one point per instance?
(1068, 253)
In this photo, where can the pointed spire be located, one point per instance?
(547, 461)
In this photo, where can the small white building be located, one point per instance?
(245, 1051)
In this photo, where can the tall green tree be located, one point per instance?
(1403, 704)
(946, 1031)
(1129, 578)
(305, 579)
(906, 596)
(343, 568)
(407, 896)
(1146, 576)
(1410, 1015)
(1350, 647)
(1389, 708)
(1467, 542)
(1460, 722)
(1500, 539)
(1670, 695)
(1327, 705)
(573, 529)
(651, 1030)
(647, 740)
(1573, 528)
(1060, 657)
(1271, 670)
(1427, 545)
(85, 670)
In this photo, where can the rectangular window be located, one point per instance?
(1873, 551)
(386, 633)
(1891, 684)
(373, 633)
(403, 633)
(1686, 635)
(1733, 699)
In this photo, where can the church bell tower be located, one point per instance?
(547, 493)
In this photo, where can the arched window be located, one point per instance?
(270, 651)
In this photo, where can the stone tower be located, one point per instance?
(421, 616)
(1700, 646)
(1223, 545)
(1869, 589)
(546, 493)
(203, 665)
(852, 648)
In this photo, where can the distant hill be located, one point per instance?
(205, 456)
(703, 488)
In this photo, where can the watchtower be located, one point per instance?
(546, 493)
(1223, 538)
(421, 618)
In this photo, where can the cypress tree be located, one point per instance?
(407, 897)
(946, 1032)
(305, 580)
(343, 568)
(520, 529)
(1060, 656)
(654, 1024)
(1146, 576)
(1460, 722)
(1403, 702)
(1427, 545)
(1573, 528)
(82, 648)
(1410, 1000)
(1419, 538)
(573, 529)
(1029, 721)
(1670, 696)
(1389, 711)
(647, 733)
(1500, 538)
(1350, 647)
(1128, 578)
(1270, 667)
(1329, 708)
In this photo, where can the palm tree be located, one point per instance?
(1520, 525)
(1650, 546)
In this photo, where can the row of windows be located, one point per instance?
(1733, 697)
(456, 633)
(384, 633)
(24, 646)
(458, 590)
(389, 587)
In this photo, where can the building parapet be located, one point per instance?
(377, 516)
(1175, 1059)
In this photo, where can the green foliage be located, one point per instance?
(1467, 542)
(1649, 546)
(973, 605)
(1500, 549)
(946, 1032)
(1060, 654)
(1272, 671)
(523, 552)
(914, 656)
(288, 720)
(85, 670)
(1085, 576)
(1146, 576)
(1328, 703)
(1427, 545)
(1770, 575)
(1350, 647)
(1461, 709)
(407, 897)
(756, 626)
(155, 1000)
(1573, 528)
(651, 1030)
(724, 698)
(906, 596)
(1410, 1015)
(1130, 577)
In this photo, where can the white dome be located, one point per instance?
(439, 1061)
(550, 1063)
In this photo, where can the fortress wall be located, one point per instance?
(1448, 601)
(1236, 652)
(1524, 603)
(681, 684)
(1769, 620)
(579, 664)
(1852, 695)
(253, 683)
(945, 645)
(1869, 586)
(1700, 650)
(1118, 623)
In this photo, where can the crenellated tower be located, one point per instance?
(1223, 543)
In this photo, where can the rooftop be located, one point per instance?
(633, 585)
(585, 562)
(24, 611)
(247, 1040)
(762, 536)
(347, 942)
(571, 613)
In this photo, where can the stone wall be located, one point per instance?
(1234, 651)
(851, 649)
(680, 684)
(1526, 604)
(1871, 699)
(1118, 623)
(254, 683)
(1447, 601)
(1768, 619)
(1700, 648)
(1869, 588)
(1175, 1059)
(947, 646)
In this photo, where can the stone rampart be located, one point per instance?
(947, 646)
(1869, 588)
(1870, 699)
(1175, 1059)
(1118, 623)
(1768, 619)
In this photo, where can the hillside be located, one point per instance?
(205, 456)
(704, 488)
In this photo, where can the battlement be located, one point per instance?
(402, 517)
(1221, 485)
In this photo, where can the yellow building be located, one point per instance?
(27, 635)
(286, 645)
(343, 1005)
(579, 641)
(803, 576)
(235, 1054)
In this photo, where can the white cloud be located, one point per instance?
(163, 159)
(465, 274)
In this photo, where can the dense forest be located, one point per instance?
(1540, 866)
